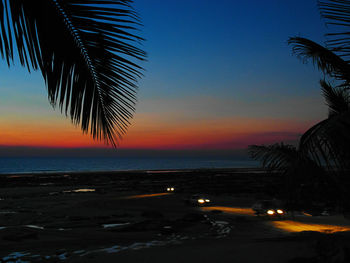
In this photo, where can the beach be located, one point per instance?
(131, 217)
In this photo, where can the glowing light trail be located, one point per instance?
(294, 226)
(230, 210)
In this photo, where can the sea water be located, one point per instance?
(10, 165)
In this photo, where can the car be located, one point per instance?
(198, 200)
(270, 208)
(170, 189)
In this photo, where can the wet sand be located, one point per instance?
(129, 217)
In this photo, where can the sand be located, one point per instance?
(129, 217)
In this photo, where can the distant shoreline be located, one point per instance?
(104, 165)
(135, 171)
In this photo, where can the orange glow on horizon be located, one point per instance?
(154, 133)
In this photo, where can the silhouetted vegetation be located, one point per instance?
(86, 52)
(322, 157)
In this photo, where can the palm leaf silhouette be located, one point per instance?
(326, 60)
(328, 141)
(86, 52)
(337, 13)
(277, 156)
(295, 166)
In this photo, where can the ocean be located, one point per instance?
(12, 165)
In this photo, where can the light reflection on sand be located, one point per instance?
(294, 226)
(34, 226)
(171, 240)
(82, 190)
(144, 196)
(115, 225)
(15, 256)
(230, 210)
(285, 225)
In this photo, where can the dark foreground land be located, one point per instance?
(128, 217)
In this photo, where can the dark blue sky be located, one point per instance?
(218, 42)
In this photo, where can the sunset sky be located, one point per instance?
(219, 76)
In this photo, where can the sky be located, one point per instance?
(220, 76)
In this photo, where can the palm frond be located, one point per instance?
(86, 51)
(329, 142)
(337, 13)
(296, 167)
(326, 60)
(277, 156)
(337, 99)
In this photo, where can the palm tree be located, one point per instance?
(322, 155)
(328, 141)
(325, 146)
(321, 158)
(325, 59)
(337, 15)
(303, 178)
(331, 137)
(87, 54)
(324, 149)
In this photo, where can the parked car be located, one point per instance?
(270, 208)
(198, 200)
(170, 189)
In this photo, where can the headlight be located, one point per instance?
(279, 211)
(270, 212)
(207, 200)
(201, 201)
(172, 189)
(168, 189)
